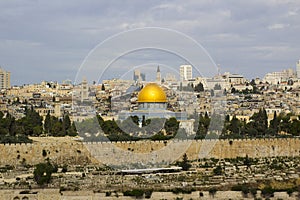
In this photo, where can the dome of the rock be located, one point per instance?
(152, 93)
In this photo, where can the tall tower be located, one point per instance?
(158, 75)
(185, 72)
(136, 75)
(84, 90)
(298, 69)
(4, 79)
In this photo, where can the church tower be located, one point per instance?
(158, 76)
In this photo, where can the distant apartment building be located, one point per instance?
(234, 79)
(186, 72)
(170, 77)
(138, 76)
(298, 69)
(278, 77)
(4, 79)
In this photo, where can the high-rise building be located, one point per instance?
(186, 72)
(158, 75)
(138, 76)
(4, 79)
(298, 69)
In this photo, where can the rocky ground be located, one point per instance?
(251, 177)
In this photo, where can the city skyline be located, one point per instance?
(49, 40)
(150, 75)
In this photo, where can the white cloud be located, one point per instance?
(292, 13)
(173, 7)
(128, 26)
(278, 26)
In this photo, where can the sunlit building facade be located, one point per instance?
(152, 103)
(185, 72)
(4, 79)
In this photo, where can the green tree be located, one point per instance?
(11, 131)
(3, 125)
(102, 87)
(171, 126)
(218, 170)
(32, 122)
(100, 120)
(185, 164)
(259, 122)
(247, 161)
(203, 125)
(42, 173)
(57, 129)
(135, 119)
(234, 126)
(12, 126)
(47, 123)
(7, 125)
(274, 124)
(199, 87)
(285, 123)
(295, 127)
(67, 122)
(72, 130)
(145, 122)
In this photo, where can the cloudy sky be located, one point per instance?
(48, 40)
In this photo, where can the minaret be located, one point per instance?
(298, 69)
(158, 76)
(84, 90)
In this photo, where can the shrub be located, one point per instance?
(64, 169)
(182, 190)
(267, 191)
(290, 191)
(217, 170)
(253, 191)
(148, 194)
(135, 192)
(245, 189)
(212, 191)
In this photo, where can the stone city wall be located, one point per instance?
(37, 152)
(67, 151)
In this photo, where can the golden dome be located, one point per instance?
(152, 93)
